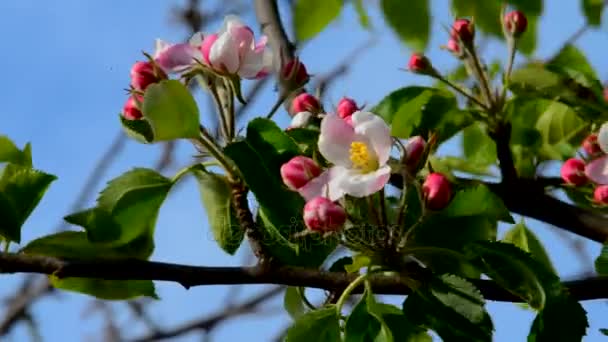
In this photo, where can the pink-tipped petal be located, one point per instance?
(224, 54)
(597, 170)
(335, 140)
(206, 47)
(359, 184)
(177, 57)
(327, 184)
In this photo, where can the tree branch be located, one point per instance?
(188, 276)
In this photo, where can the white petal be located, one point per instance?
(160, 46)
(300, 120)
(327, 184)
(597, 170)
(376, 131)
(251, 64)
(335, 139)
(359, 184)
(602, 137)
(231, 21)
(224, 53)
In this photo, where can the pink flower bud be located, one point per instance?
(600, 195)
(323, 215)
(464, 30)
(143, 74)
(206, 46)
(413, 152)
(305, 103)
(299, 171)
(437, 191)
(346, 107)
(516, 23)
(591, 146)
(573, 172)
(419, 64)
(131, 111)
(294, 72)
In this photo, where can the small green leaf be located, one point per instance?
(361, 326)
(478, 147)
(570, 57)
(107, 289)
(362, 14)
(310, 17)
(341, 264)
(601, 263)
(321, 325)
(563, 319)
(478, 200)
(409, 115)
(126, 209)
(604, 331)
(593, 11)
(171, 111)
(515, 270)
(532, 8)
(216, 195)
(139, 130)
(292, 302)
(358, 262)
(452, 307)
(521, 236)
(410, 20)
(21, 189)
(448, 164)
(9, 152)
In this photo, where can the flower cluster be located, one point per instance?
(593, 167)
(357, 146)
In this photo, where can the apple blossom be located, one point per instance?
(573, 172)
(305, 103)
(145, 73)
(602, 137)
(298, 171)
(175, 58)
(323, 215)
(346, 107)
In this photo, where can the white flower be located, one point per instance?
(300, 120)
(233, 50)
(359, 154)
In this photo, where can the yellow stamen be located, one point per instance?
(361, 157)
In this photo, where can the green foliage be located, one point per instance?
(479, 149)
(410, 20)
(310, 17)
(601, 262)
(521, 236)
(216, 195)
(171, 111)
(562, 319)
(259, 158)
(21, 189)
(485, 12)
(593, 10)
(321, 325)
(452, 307)
(9, 152)
(418, 110)
(478, 200)
(139, 130)
(292, 302)
(107, 289)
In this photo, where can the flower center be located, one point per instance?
(361, 157)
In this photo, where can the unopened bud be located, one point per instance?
(516, 23)
(573, 172)
(420, 64)
(302, 119)
(346, 107)
(414, 149)
(600, 194)
(294, 74)
(323, 215)
(145, 73)
(131, 110)
(463, 30)
(591, 145)
(298, 171)
(305, 103)
(437, 191)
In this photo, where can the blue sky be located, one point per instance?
(65, 66)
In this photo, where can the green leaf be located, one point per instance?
(9, 152)
(532, 8)
(515, 270)
(570, 57)
(478, 200)
(601, 263)
(107, 289)
(527, 42)
(341, 264)
(171, 111)
(216, 195)
(604, 331)
(362, 14)
(259, 158)
(139, 130)
(410, 20)
(486, 14)
(292, 302)
(478, 147)
(361, 326)
(521, 236)
(310, 17)
(563, 319)
(126, 209)
(420, 110)
(449, 164)
(76, 245)
(452, 307)
(321, 325)
(21, 189)
(593, 11)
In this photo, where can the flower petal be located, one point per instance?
(602, 137)
(231, 21)
(597, 170)
(327, 184)
(376, 131)
(197, 39)
(160, 46)
(177, 57)
(224, 54)
(335, 139)
(251, 64)
(359, 184)
(300, 120)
